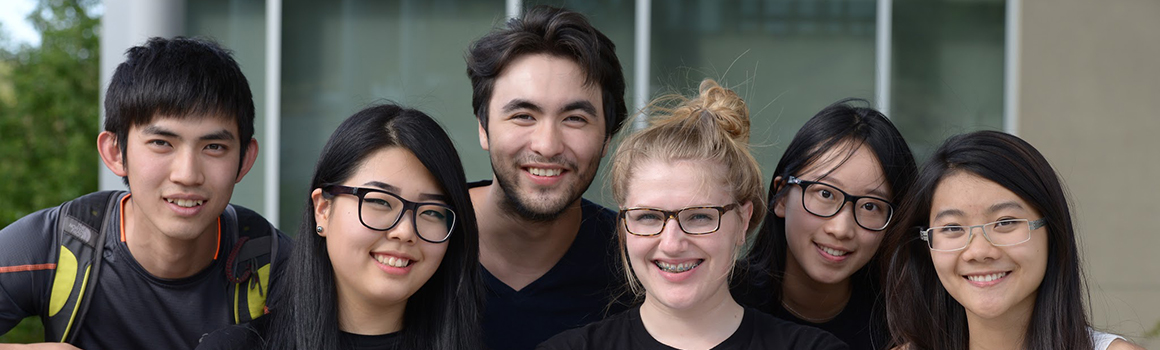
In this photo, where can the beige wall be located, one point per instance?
(1088, 99)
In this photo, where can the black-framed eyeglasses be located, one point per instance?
(826, 200)
(692, 220)
(1002, 233)
(381, 210)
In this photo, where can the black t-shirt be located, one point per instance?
(130, 308)
(254, 335)
(757, 331)
(577, 291)
(862, 324)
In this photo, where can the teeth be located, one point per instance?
(677, 268)
(187, 203)
(392, 261)
(833, 252)
(545, 172)
(986, 278)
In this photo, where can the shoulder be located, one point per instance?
(239, 336)
(1121, 344)
(612, 330)
(233, 337)
(776, 330)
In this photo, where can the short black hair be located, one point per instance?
(557, 32)
(181, 78)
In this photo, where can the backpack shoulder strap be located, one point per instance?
(80, 230)
(250, 264)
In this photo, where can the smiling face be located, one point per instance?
(678, 270)
(380, 269)
(545, 135)
(830, 250)
(988, 281)
(181, 172)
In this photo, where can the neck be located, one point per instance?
(1006, 331)
(810, 300)
(163, 256)
(517, 251)
(702, 326)
(360, 317)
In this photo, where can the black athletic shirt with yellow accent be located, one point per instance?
(130, 309)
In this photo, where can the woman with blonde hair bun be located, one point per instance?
(688, 188)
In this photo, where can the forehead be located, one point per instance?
(397, 167)
(544, 79)
(194, 124)
(964, 193)
(677, 184)
(850, 165)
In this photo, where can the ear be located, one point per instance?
(604, 149)
(321, 210)
(110, 152)
(248, 159)
(746, 212)
(482, 136)
(779, 205)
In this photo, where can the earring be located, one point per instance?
(318, 229)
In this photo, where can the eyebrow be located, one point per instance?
(221, 135)
(422, 196)
(949, 212)
(1005, 205)
(520, 103)
(582, 105)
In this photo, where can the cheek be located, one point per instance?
(944, 266)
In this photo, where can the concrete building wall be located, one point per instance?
(1089, 97)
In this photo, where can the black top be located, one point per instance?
(757, 331)
(253, 336)
(577, 291)
(862, 324)
(130, 308)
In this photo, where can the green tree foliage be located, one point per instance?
(49, 111)
(49, 116)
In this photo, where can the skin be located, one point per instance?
(691, 309)
(545, 136)
(371, 295)
(170, 159)
(817, 283)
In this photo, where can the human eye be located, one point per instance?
(951, 230)
(157, 143)
(576, 120)
(645, 217)
(216, 148)
(434, 214)
(871, 207)
(379, 203)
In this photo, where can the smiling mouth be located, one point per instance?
(988, 277)
(185, 203)
(392, 261)
(677, 268)
(545, 172)
(832, 251)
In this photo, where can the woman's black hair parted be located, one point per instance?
(556, 32)
(178, 78)
(920, 311)
(445, 312)
(846, 124)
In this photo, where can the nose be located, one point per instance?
(673, 239)
(186, 168)
(546, 139)
(979, 248)
(842, 225)
(404, 230)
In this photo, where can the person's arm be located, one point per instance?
(1120, 344)
(38, 346)
(27, 266)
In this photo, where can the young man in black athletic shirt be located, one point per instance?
(548, 92)
(179, 127)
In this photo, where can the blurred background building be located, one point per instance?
(1078, 79)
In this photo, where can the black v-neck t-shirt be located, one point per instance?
(577, 291)
(757, 331)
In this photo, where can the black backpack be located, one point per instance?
(81, 234)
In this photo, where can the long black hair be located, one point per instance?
(842, 124)
(444, 313)
(920, 311)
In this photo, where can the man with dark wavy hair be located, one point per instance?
(548, 93)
